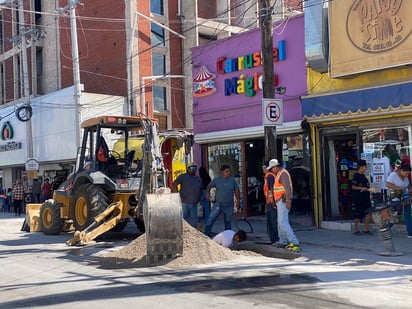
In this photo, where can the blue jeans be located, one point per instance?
(272, 223)
(217, 209)
(286, 234)
(190, 213)
(407, 218)
(206, 208)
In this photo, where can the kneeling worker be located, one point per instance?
(227, 237)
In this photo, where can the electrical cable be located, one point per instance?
(98, 19)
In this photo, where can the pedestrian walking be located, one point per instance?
(190, 192)
(47, 190)
(283, 194)
(361, 199)
(227, 197)
(18, 197)
(10, 198)
(407, 211)
(401, 190)
(56, 183)
(271, 209)
(36, 190)
(4, 201)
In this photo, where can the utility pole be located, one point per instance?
(71, 5)
(129, 54)
(265, 24)
(76, 70)
(26, 85)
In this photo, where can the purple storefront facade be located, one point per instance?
(227, 109)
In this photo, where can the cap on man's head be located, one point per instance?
(362, 163)
(191, 164)
(272, 164)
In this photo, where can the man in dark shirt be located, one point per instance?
(361, 198)
(190, 192)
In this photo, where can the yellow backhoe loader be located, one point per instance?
(109, 187)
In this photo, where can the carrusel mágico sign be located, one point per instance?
(246, 84)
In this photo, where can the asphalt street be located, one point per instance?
(335, 269)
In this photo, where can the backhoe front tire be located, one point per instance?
(87, 203)
(50, 221)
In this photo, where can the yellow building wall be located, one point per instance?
(323, 83)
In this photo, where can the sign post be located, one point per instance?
(32, 167)
(272, 113)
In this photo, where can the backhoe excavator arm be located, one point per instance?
(102, 223)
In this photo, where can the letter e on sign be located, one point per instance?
(272, 112)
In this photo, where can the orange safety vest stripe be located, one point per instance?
(266, 186)
(278, 189)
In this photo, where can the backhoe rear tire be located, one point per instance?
(50, 221)
(87, 203)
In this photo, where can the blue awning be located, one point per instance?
(358, 100)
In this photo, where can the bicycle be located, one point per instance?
(242, 223)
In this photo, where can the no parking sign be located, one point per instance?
(272, 112)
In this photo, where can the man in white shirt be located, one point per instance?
(227, 237)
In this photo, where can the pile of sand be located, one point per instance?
(197, 249)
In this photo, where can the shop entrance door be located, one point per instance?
(254, 157)
(340, 153)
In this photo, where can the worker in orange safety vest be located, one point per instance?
(282, 196)
(271, 211)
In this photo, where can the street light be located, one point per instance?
(143, 87)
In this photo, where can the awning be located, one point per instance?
(246, 133)
(357, 101)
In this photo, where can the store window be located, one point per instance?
(295, 159)
(383, 148)
(227, 154)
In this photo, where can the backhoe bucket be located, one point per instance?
(164, 226)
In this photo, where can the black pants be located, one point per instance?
(272, 223)
(17, 206)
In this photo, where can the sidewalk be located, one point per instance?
(328, 244)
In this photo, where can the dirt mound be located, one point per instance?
(197, 249)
